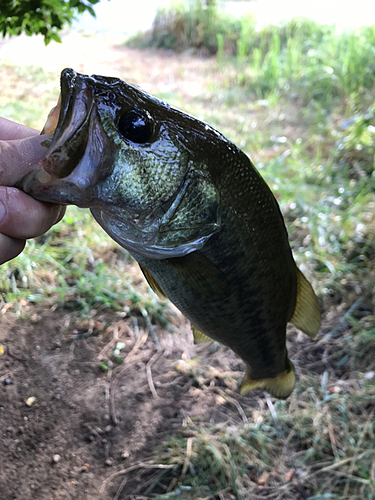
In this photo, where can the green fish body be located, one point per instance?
(191, 209)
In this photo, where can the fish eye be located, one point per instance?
(135, 126)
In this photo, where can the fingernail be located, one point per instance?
(57, 211)
(2, 211)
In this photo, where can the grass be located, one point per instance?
(316, 445)
(84, 272)
(256, 456)
(195, 25)
(32, 99)
(299, 100)
(323, 67)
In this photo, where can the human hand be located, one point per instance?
(21, 217)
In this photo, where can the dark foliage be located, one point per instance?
(46, 17)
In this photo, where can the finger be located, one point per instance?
(11, 130)
(18, 157)
(23, 217)
(10, 248)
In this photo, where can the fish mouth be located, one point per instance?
(74, 161)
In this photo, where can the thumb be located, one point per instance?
(20, 156)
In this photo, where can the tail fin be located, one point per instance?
(306, 315)
(280, 387)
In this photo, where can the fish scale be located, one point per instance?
(192, 210)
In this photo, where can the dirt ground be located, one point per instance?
(155, 71)
(69, 430)
(86, 424)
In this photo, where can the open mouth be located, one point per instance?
(69, 120)
(52, 119)
(78, 154)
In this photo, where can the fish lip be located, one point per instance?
(79, 153)
(75, 111)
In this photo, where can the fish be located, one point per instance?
(193, 211)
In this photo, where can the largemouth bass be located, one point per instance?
(192, 210)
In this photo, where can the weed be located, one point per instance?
(197, 24)
(300, 56)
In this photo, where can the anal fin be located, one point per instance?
(306, 315)
(200, 337)
(280, 386)
(154, 285)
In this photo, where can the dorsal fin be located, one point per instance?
(154, 285)
(306, 315)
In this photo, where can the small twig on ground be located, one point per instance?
(274, 414)
(149, 376)
(14, 356)
(92, 431)
(135, 326)
(127, 360)
(343, 320)
(107, 394)
(71, 350)
(271, 407)
(222, 494)
(112, 390)
(149, 484)
(140, 341)
(359, 444)
(121, 487)
(6, 375)
(189, 449)
(115, 338)
(356, 479)
(341, 462)
(150, 327)
(240, 410)
(234, 401)
(332, 438)
(144, 465)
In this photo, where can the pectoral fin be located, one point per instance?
(280, 387)
(200, 274)
(200, 337)
(154, 285)
(306, 316)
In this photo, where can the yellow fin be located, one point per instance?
(280, 387)
(154, 285)
(200, 337)
(306, 315)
